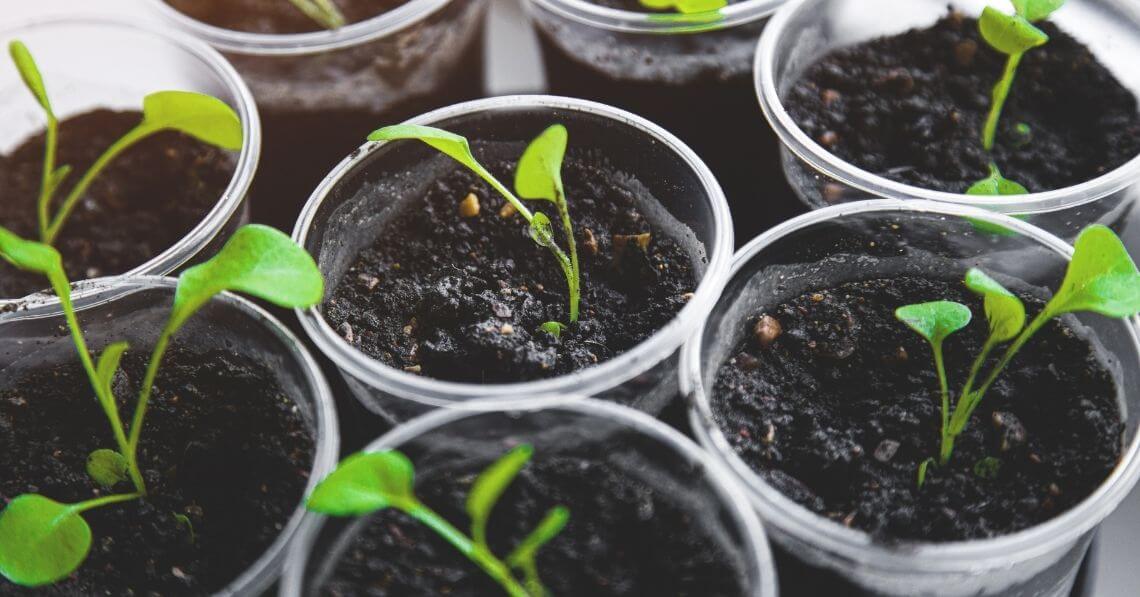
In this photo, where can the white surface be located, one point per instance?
(514, 67)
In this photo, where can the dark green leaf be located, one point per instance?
(206, 118)
(1036, 10)
(935, 320)
(364, 483)
(987, 468)
(1004, 311)
(107, 468)
(996, 185)
(1009, 34)
(489, 486)
(1102, 278)
(41, 540)
(184, 522)
(539, 171)
(30, 73)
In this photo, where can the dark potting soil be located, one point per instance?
(461, 298)
(624, 537)
(839, 411)
(274, 16)
(912, 108)
(222, 446)
(145, 201)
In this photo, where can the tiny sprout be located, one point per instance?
(1101, 278)
(538, 177)
(324, 12)
(685, 6)
(205, 118)
(923, 468)
(995, 184)
(42, 541)
(1013, 35)
(371, 481)
(987, 468)
(554, 328)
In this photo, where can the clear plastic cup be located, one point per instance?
(135, 309)
(95, 62)
(348, 211)
(805, 30)
(649, 450)
(887, 238)
(691, 74)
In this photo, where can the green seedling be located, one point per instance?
(205, 118)
(1101, 278)
(996, 184)
(685, 6)
(538, 177)
(324, 12)
(372, 481)
(43, 541)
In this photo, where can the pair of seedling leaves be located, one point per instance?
(538, 176)
(372, 481)
(1101, 278)
(205, 118)
(1012, 35)
(42, 540)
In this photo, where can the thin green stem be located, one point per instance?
(1000, 94)
(126, 141)
(104, 501)
(156, 355)
(573, 278)
(110, 408)
(482, 557)
(324, 12)
(46, 185)
(940, 365)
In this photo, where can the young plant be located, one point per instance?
(43, 541)
(369, 482)
(324, 12)
(685, 6)
(205, 118)
(1101, 278)
(538, 177)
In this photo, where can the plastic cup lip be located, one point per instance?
(326, 437)
(909, 557)
(231, 198)
(302, 44)
(718, 478)
(629, 21)
(589, 381)
(811, 152)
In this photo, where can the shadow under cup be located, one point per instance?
(886, 239)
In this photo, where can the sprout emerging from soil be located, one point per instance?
(324, 12)
(685, 6)
(372, 481)
(1101, 278)
(203, 117)
(537, 177)
(43, 541)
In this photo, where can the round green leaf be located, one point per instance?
(1036, 10)
(364, 483)
(201, 116)
(41, 540)
(1102, 278)
(996, 185)
(935, 320)
(1009, 34)
(107, 467)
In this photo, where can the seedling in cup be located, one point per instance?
(1101, 278)
(203, 117)
(685, 6)
(372, 481)
(324, 12)
(41, 540)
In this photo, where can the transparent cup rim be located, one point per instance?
(807, 149)
(92, 293)
(630, 21)
(235, 192)
(299, 44)
(589, 381)
(760, 555)
(797, 521)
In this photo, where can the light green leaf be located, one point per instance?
(107, 468)
(1036, 10)
(257, 260)
(541, 230)
(1009, 34)
(995, 184)
(923, 467)
(30, 73)
(987, 468)
(935, 320)
(324, 12)
(685, 6)
(30, 255)
(1004, 311)
(490, 485)
(539, 171)
(454, 146)
(41, 540)
(553, 328)
(551, 525)
(1102, 278)
(108, 364)
(364, 483)
(206, 118)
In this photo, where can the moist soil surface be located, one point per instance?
(223, 446)
(624, 537)
(462, 298)
(839, 411)
(274, 16)
(145, 201)
(912, 107)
